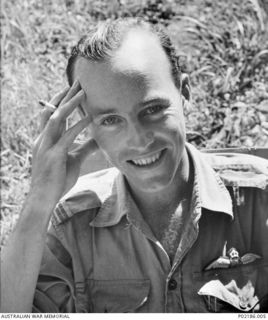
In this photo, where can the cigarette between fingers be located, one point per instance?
(47, 105)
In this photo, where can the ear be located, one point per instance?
(186, 87)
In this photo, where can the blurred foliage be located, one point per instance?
(223, 45)
(229, 73)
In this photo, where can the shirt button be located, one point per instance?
(172, 284)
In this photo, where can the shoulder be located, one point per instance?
(88, 194)
(239, 170)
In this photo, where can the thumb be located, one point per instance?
(85, 149)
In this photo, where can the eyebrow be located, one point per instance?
(146, 102)
(105, 112)
(154, 100)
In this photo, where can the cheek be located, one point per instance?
(109, 142)
(102, 138)
(174, 123)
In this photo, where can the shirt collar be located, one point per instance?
(208, 188)
(115, 205)
(211, 191)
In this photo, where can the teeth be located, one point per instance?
(147, 161)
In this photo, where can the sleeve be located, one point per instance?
(55, 285)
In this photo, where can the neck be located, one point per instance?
(150, 203)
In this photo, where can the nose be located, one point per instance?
(139, 137)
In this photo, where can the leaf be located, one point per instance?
(258, 56)
(226, 84)
(195, 21)
(263, 106)
(256, 6)
(240, 27)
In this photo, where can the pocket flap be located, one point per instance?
(119, 295)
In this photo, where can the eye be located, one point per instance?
(110, 121)
(153, 109)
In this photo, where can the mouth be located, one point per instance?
(147, 162)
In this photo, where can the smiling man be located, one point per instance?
(157, 232)
(133, 100)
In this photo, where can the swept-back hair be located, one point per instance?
(100, 43)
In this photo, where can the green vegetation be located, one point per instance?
(223, 45)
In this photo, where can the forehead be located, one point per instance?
(138, 65)
(140, 55)
(142, 52)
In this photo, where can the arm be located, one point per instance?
(21, 257)
(54, 171)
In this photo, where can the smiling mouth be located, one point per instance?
(148, 161)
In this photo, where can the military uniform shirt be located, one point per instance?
(101, 255)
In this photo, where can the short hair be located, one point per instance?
(99, 44)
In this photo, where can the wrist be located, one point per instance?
(36, 212)
(44, 196)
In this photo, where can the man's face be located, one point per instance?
(137, 111)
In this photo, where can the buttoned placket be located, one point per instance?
(142, 227)
(188, 239)
(172, 286)
(189, 236)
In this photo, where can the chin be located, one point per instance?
(152, 184)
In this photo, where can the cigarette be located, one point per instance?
(48, 105)
(52, 108)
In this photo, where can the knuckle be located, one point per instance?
(54, 118)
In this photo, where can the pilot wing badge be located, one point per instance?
(231, 259)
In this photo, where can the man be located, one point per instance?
(159, 232)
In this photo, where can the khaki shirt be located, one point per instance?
(101, 256)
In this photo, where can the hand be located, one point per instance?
(55, 169)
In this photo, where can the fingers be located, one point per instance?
(67, 100)
(59, 96)
(69, 136)
(76, 87)
(45, 115)
(73, 90)
(66, 109)
(48, 110)
(54, 120)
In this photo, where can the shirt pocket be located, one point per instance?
(119, 296)
(243, 288)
